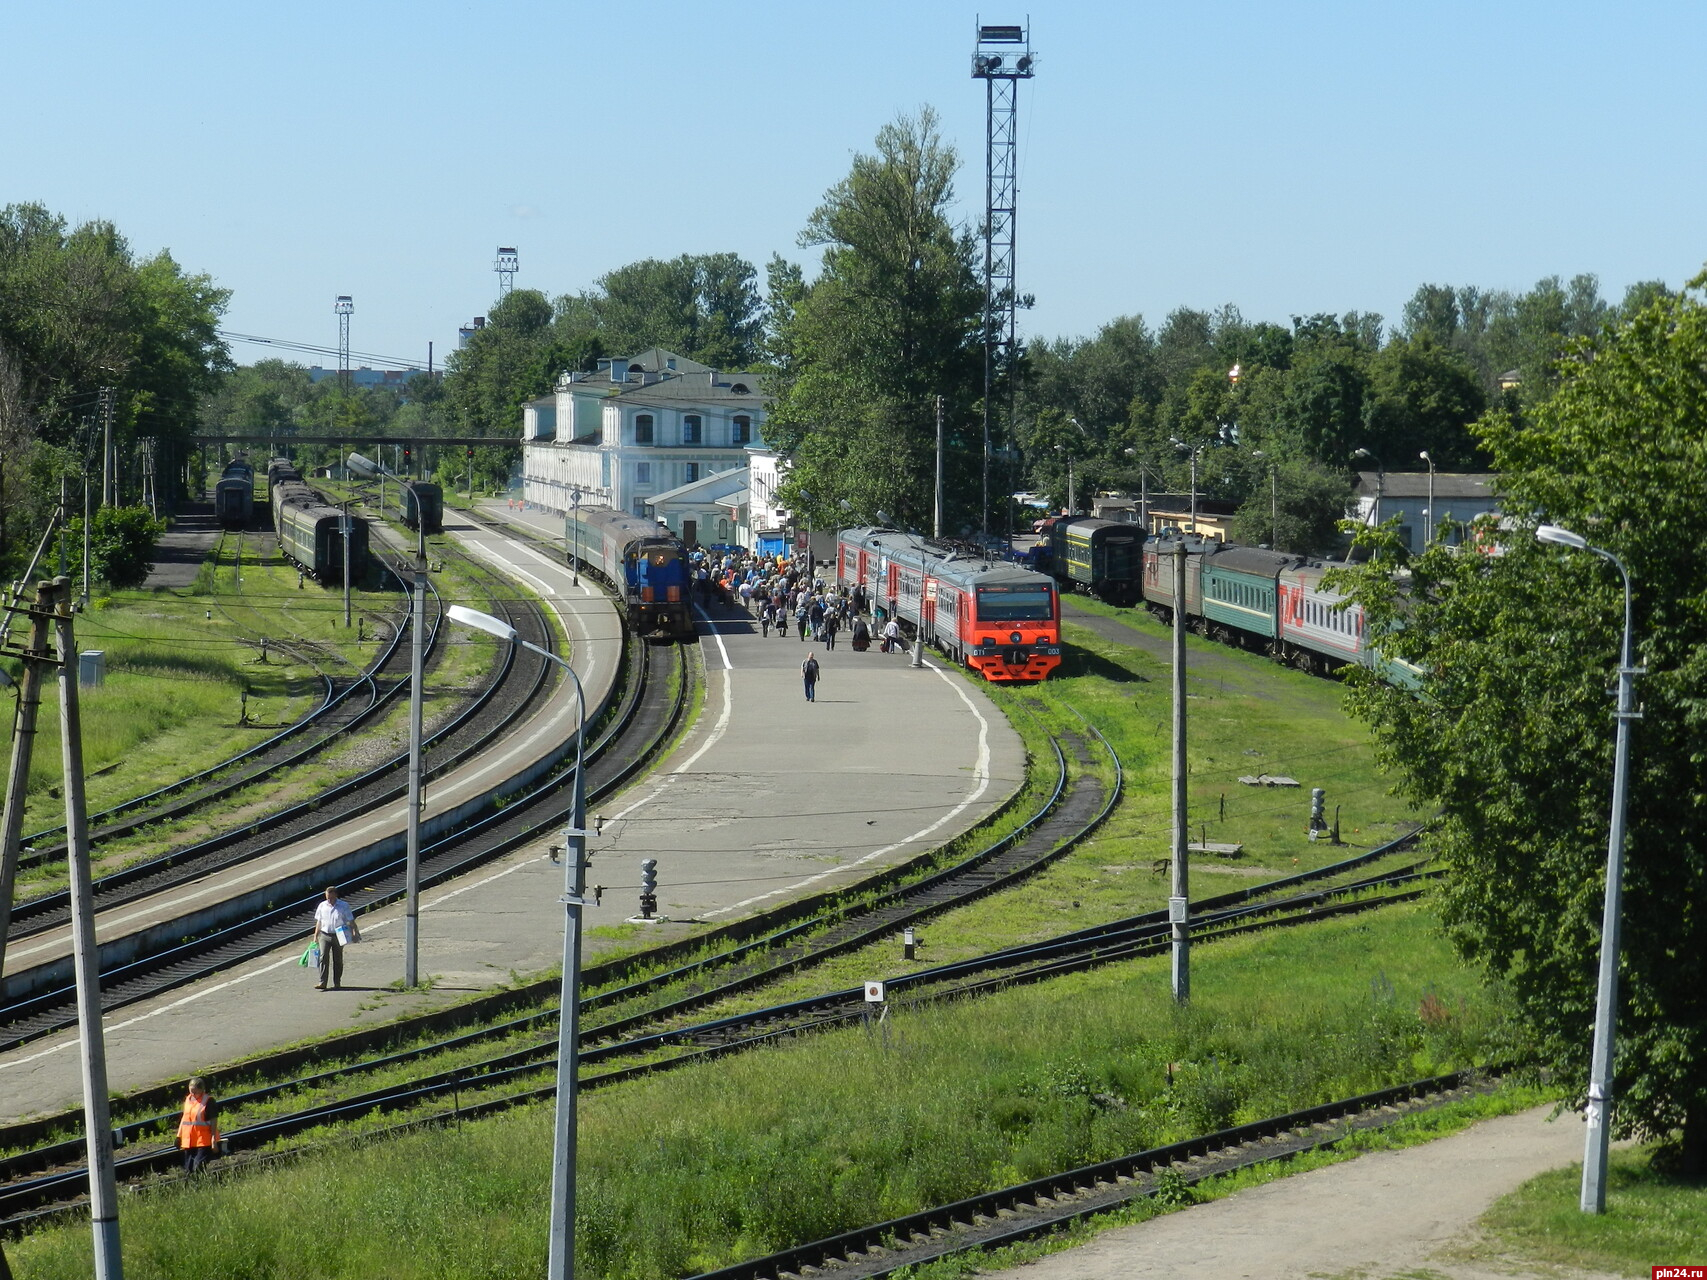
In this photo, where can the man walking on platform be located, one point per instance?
(809, 673)
(334, 924)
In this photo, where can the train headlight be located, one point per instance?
(1015, 638)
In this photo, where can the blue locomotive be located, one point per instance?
(644, 561)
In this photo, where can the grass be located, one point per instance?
(1652, 1219)
(714, 1162)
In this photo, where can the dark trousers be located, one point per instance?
(331, 960)
(196, 1157)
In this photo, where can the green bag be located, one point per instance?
(311, 956)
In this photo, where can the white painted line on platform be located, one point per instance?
(981, 771)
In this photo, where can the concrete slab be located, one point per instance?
(768, 797)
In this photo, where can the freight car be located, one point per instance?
(1002, 621)
(643, 561)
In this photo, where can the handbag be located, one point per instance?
(310, 956)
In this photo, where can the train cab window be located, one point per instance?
(692, 429)
(1015, 604)
(643, 429)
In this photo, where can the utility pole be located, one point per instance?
(36, 660)
(97, 1122)
(108, 394)
(346, 527)
(418, 625)
(1179, 898)
(936, 524)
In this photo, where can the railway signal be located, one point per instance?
(648, 887)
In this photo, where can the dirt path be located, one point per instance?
(1391, 1215)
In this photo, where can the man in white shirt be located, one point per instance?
(330, 917)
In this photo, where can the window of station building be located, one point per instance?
(743, 430)
(692, 430)
(722, 529)
(690, 472)
(643, 429)
(643, 473)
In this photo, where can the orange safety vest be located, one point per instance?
(194, 1128)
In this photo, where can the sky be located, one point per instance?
(1285, 158)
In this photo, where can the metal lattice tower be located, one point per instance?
(1002, 58)
(506, 266)
(343, 306)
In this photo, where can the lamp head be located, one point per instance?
(1563, 537)
(1424, 456)
(1362, 453)
(481, 622)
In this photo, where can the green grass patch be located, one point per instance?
(699, 1167)
(1652, 1219)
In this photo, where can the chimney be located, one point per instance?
(619, 371)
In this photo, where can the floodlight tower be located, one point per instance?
(506, 266)
(343, 307)
(1002, 58)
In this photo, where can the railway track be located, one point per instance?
(1047, 1205)
(348, 704)
(519, 683)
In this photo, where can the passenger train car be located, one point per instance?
(420, 504)
(1002, 621)
(234, 494)
(1102, 558)
(1265, 600)
(643, 560)
(310, 532)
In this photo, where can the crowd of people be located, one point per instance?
(786, 598)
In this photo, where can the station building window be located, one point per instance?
(743, 430)
(643, 430)
(692, 430)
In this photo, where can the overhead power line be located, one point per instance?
(366, 357)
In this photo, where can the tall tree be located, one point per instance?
(704, 306)
(1514, 741)
(892, 321)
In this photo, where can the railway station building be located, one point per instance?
(646, 434)
(1458, 496)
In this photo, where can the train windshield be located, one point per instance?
(1015, 604)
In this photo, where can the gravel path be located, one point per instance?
(1390, 1215)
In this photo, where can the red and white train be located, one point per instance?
(1002, 621)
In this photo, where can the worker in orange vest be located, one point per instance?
(198, 1129)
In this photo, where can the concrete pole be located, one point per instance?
(346, 528)
(1179, 898)
(418, 646)
(1194, 454)
(936, 521)
(36, 660)
(97, 1122)
(107, 446)
(1606, 999)
(560, 1262)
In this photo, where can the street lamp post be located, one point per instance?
(561, 1261)
(1380, 479)
(1606, 998)
(1429, 521)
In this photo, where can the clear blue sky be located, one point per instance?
(1287, 158)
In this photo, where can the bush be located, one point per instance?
(121, 544)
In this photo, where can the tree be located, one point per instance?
(1423, 395)
(892, 321)
(121, 544)
(704, 306)
(1513, 741)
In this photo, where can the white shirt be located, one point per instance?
(329, 915)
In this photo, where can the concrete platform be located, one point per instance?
(768, 797)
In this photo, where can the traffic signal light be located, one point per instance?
(648, 887)
(470, 452)
(406, 452)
